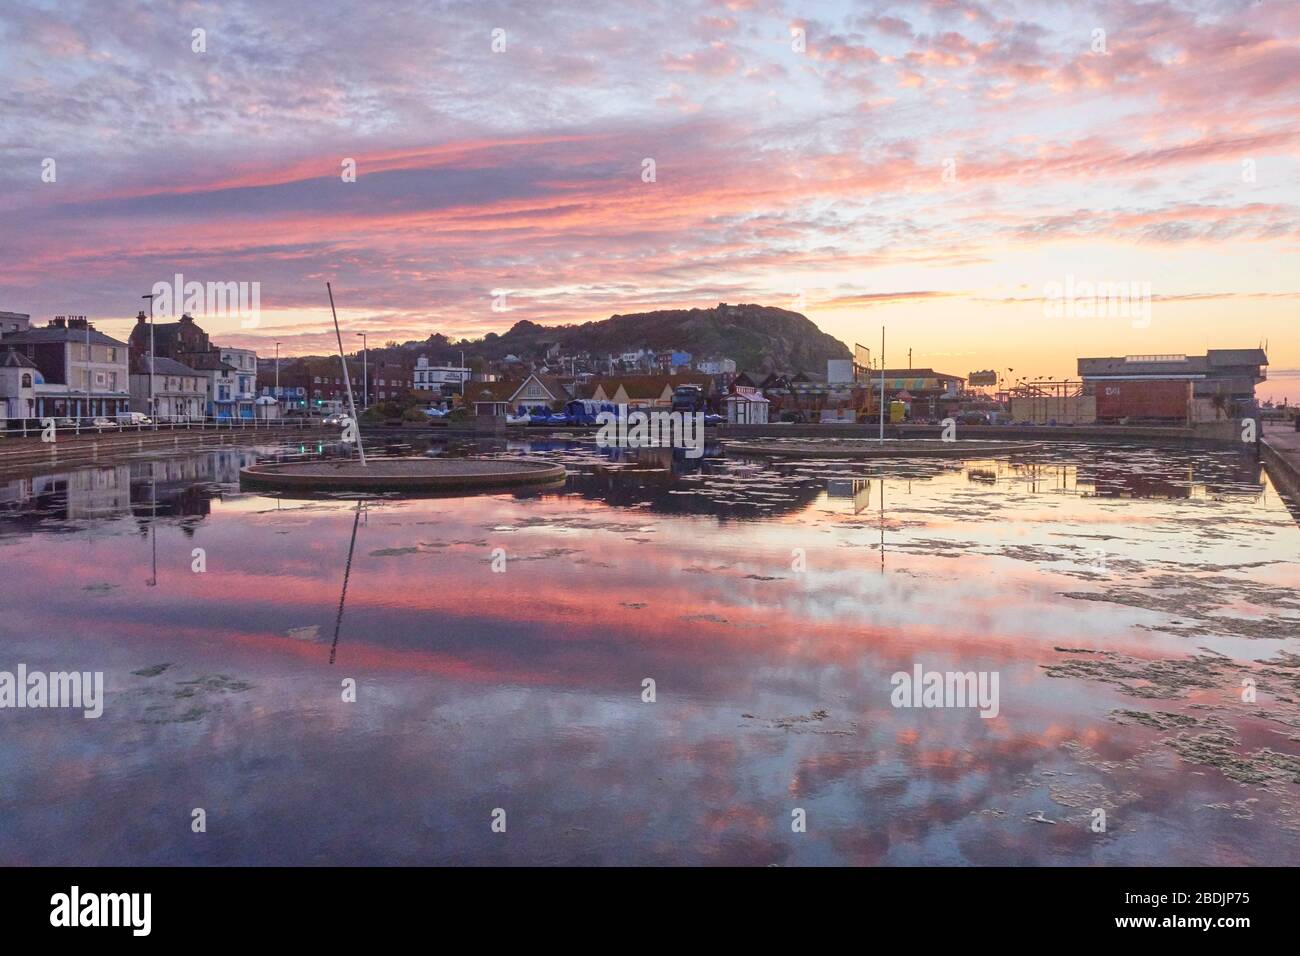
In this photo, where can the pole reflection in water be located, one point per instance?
(882, 524)
(347, 573)
(153, 529)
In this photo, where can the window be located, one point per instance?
(27, 380)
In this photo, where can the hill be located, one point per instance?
(759, 338)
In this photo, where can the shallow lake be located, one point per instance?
(1138, 607)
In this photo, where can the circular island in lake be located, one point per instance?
(430, 475)
(873, 448)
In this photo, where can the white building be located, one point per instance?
(179, 392)
(724, 366)
(84, 370)
(219, 385)
(745, 406)
(635, 358)
(18, 379)
(432, 378)
(244, 393)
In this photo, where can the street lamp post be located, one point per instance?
(89, 367)
(365, 374)
(153, 411)
(278, 410)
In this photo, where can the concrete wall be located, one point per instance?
(1076, 410)
(1203, 410)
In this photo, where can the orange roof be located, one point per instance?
(499, 391)
(650, 386)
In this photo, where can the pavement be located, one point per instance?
(1282, 455)
(1283, 439)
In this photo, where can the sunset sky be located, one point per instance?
(809, 178)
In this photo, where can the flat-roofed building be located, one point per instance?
(1221, 382)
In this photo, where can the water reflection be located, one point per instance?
(175, 486)
(770, 602)
(347, 573)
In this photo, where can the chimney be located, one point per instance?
(187, 318)
(140, 317)
(58, 322)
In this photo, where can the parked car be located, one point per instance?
(103, 423)
(339, 419)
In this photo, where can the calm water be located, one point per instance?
(1121, 594)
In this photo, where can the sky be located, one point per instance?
(943, 169)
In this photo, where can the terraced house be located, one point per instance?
(84, 373)
(178, 392)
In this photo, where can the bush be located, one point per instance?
(381, 411)
(414, 414)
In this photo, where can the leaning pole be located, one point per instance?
(882, 382)
(356, 422)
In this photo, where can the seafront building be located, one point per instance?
(244, 386)
(437, 382)
(83, 373)
(230, 387)
(179, 392)
(1198, 388)
(18, 378)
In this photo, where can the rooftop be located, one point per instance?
(10, 358)
(61, 333)
(161, 366)
(1213, 359)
